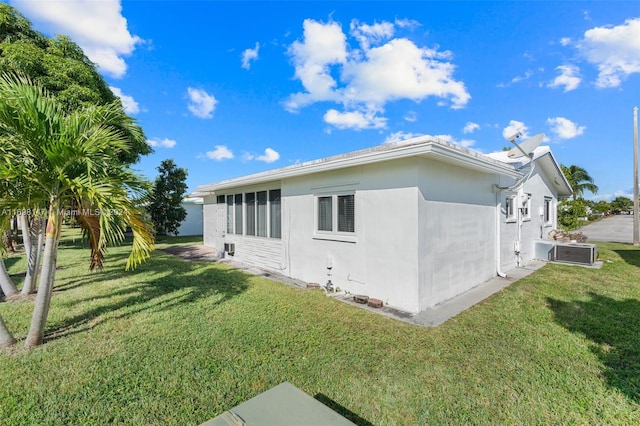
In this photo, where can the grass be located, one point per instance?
(178, 343)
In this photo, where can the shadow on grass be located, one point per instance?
(158, 285)
(614, 328)
(632, 257)
(343, 411)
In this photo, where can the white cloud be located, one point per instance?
(323, 45)
(411, 117)
(220, 153)
(615, 51)
(470, 127)
(565, 41)
(448, 138)
(250, 55)
(98, 27)
(129, 104)
(356, 120)
(564, 128)
(515, 127)
(367, 34)
(527, 75)
(201, 103)
(366, 78)
(161, 143)
(569, 78)
(269, 156)
(400, 136)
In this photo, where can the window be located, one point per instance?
(238, 205)
(220, 199)
(250, 201)
(547, 210)
(262, 214)
(340, 218)
(510, 208)
(346, 213)
(261, 210)
(230, 214)
(325, 214)
(275, 221)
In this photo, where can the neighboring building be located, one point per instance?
(192, 223)
(412, 223)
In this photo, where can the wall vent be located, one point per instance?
(230, 248)
(578, 253)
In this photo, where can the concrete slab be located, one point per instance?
(440, 313)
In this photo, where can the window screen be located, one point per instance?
(346, 213)
(238, 208)
(230, 214)
(262, 213)
(250, 201)
(325, 222)
(275, 213)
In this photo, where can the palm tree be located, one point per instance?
(70, 160)
(6, 338)
(579, 180)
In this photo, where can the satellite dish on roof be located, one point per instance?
(525, 148)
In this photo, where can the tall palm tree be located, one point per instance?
(579, 180)
(6, 338)
(71, 161)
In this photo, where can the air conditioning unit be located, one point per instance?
(230, 248)
(578, 253)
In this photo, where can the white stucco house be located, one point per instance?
(412, 223)
(192, 223)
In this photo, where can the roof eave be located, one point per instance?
(429, 147)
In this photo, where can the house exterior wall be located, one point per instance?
(192, 223)
(263, 252)
(209, 211)
(425, 230)
(519, 234)
(457, 231)
(380, 258)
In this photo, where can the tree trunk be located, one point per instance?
(35, 336)
(23, 220)
(14, 236)
(40, 241)
(6, 338)
(7, 240)
(30, 249)
(6, 284)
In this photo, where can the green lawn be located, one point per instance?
(178, 343)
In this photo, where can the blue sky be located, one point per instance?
(233, 88)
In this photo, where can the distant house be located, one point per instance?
(192, 224)
(412, 223)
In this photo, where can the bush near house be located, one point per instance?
(178, 343)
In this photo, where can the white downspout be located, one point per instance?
(498, 236)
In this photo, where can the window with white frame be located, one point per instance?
(335, 213)
(510, 208)
(254, 214)
(547, 210)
